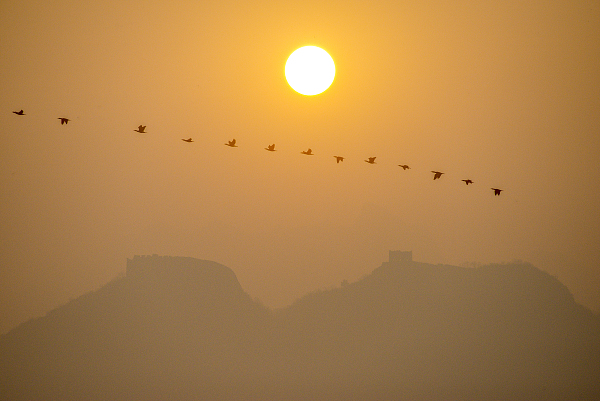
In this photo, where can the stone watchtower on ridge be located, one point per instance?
(400, 257)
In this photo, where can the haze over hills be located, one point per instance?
(184, 329)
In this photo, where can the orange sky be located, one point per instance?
(503, 93)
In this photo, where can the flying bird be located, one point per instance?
(270, 148)
(187, 140)
(467, 181)
(231, 143)
(404, 166)
(436, 174)
(307, 152)
(338, 159)
(141, 129)
(19, 113)
(497, 191)
(63, 120)
(371, 160)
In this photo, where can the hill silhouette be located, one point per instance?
(184, 329)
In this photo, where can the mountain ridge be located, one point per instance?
(184, 328)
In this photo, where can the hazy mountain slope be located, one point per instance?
(183, 329)
(443, 332)
(139, 337)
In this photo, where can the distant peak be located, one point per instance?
(187, 270)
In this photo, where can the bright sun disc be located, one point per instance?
(310, 70)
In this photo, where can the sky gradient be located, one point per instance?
(505, 94)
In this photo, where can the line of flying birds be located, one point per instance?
(271, 148)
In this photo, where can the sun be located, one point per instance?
(309, 70)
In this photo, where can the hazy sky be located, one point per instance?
(503, 93)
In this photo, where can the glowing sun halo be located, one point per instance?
(310, 70)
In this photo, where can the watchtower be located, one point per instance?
(398, 257)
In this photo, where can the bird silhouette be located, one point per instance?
(231, 143)
(270, 148)
(63, 120)
(371, 160)
(307, 152)
(187, 140)
(404, 166)
(141, 129)
(467, 181)
(338, 159)
(19, 113)
(497, 191)
(436, 174)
